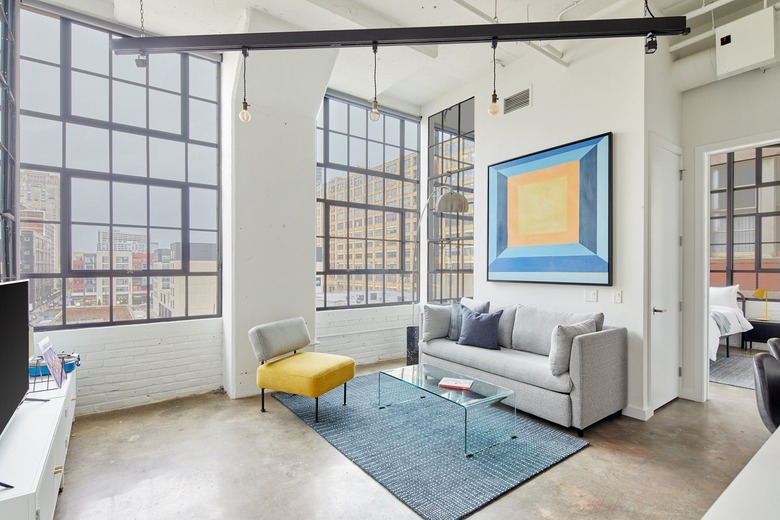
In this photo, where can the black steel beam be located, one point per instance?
(506, 32)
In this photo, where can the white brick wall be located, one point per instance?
(130, 365)
(367, 335)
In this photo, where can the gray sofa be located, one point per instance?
(594, 386)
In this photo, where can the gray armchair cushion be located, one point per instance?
(273, 339)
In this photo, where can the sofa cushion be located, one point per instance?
(456, 315)
(534, 326)
(526, 367)
(436, 321)
(505, 324)
(560, 344)
(480, 329)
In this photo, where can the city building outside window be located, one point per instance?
(745, 220)
(367, 175)
(451, 236)
(119, 179)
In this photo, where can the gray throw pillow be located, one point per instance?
(456, 314)
(560, 344)
(480, 329)
(533, 326)
(506, 324)
(436, 321)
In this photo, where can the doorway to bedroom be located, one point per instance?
(744, 263)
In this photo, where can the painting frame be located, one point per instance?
(550, 215)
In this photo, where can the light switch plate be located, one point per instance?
(591, 295)
(617, 296)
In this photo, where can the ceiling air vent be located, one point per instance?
(517, 101)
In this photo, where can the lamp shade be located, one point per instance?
(452, 202)
(760, 293)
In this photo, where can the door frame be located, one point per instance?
(697, 315)
(655, 140)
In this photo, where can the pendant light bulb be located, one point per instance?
(244, 115)
(493, 108)
(374, 114)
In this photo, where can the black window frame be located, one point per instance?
(66, 270)
(332, 246)
(451, 256)
(727, 236)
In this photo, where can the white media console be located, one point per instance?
(32, 453)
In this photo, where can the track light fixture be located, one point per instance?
(651, 44)
(374, 114)
(244, 115)
(493, 108)
(142, 61)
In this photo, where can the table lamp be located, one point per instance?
(761, 293)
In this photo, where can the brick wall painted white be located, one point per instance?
(130, 365)
(367, 335)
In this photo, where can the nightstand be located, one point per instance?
(762, 331)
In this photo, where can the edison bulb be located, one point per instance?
(244, 115)
(493, 108)
(374, 114)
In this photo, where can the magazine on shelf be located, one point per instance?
(455, 383)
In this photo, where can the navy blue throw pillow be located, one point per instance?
(480, 329)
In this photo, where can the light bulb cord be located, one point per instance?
(245, 52)
(495, 44)
(375, 46)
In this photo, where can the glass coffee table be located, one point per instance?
(485, 421)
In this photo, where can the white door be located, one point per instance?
(665, 256)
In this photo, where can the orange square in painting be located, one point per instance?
(543, 207)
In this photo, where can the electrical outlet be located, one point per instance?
(591, 295)
(617, 296)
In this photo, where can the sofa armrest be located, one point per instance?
(599, 375)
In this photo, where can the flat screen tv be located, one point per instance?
(14, 347)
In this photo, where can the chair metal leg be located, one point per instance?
(316, 409)
(345, 394)
(262, 399)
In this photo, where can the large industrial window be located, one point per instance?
(119, 183)
(451, 236)
(367, 181)
(8, 260)
(745, 220)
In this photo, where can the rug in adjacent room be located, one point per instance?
(735, 370)
(415, 449)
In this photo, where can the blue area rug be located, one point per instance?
(415, 448)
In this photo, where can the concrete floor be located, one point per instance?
(210, 457)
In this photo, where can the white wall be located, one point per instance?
(130, 365)
(602, 90)
(739, 111)
(367, 335)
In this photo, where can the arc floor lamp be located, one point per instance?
(449, 201)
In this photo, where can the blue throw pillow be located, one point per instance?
(480, 329)
(456, 315)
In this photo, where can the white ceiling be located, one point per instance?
(411, 76)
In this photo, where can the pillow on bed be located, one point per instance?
(725, 296)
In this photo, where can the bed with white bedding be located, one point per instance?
(726, 317)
